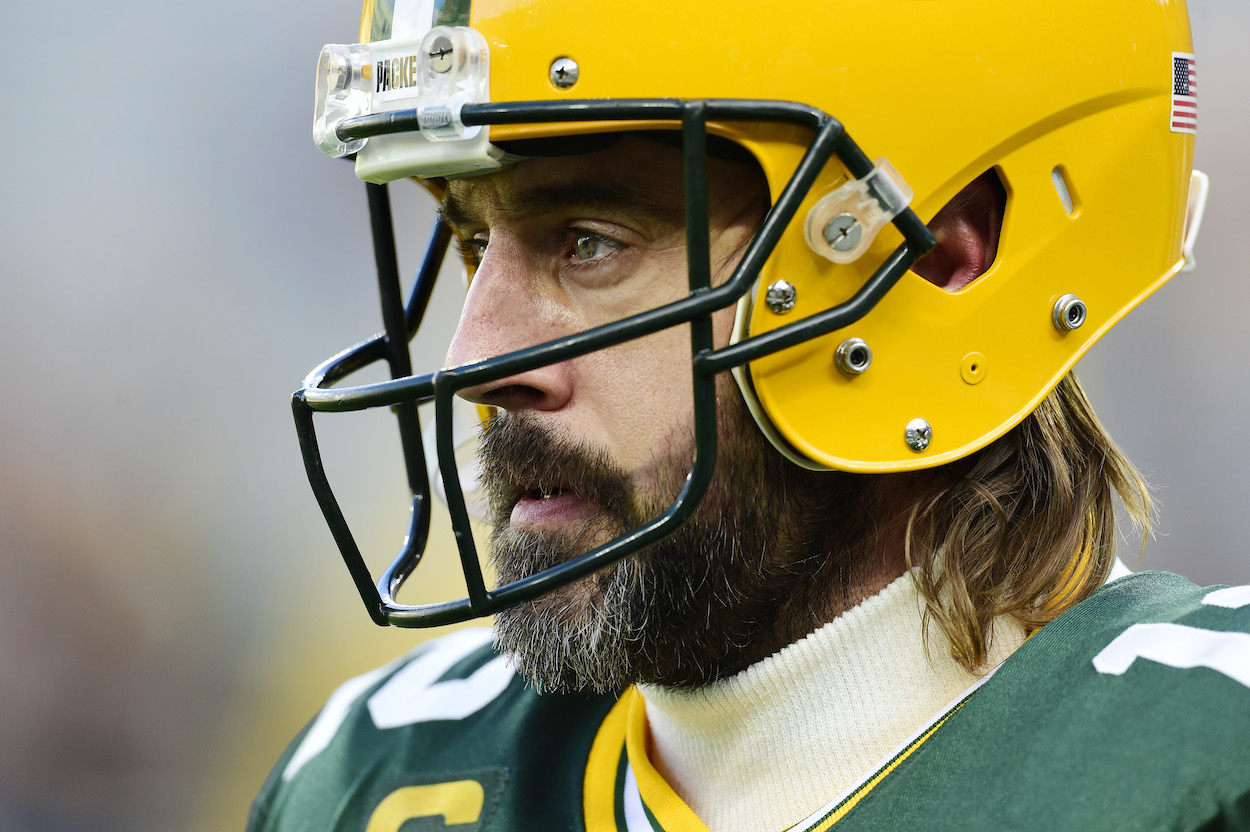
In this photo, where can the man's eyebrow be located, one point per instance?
(454, 211)
(608, 198)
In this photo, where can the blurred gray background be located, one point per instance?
(175, 256)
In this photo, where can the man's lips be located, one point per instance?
(548, 507)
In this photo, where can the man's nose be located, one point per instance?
(505, 311)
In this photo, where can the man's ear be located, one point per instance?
(967, 230)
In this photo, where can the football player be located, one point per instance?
(799, 517)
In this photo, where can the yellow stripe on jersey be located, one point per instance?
(669, 810)
(1075, 576)
(599, 789)
(626, 725)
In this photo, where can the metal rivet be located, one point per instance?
(919, 434)
(853, 356)
(780, 297)
(843, 232)
(440, 54)
(1069, 313)
(563, 73)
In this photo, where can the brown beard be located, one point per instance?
(769, 555)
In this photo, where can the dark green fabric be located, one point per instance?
(1048, 743)
(1051, 744)
(528, 752)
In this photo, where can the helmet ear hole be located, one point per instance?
(967, 231)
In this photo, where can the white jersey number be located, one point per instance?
(1177, 645)
(412, 695)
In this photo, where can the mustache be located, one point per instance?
(518, 454)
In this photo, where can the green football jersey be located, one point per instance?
(1130, 711)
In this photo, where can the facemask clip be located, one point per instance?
(842, 225)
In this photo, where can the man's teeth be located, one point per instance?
(544, 492)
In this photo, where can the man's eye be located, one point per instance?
(588, 248)
(471, 248)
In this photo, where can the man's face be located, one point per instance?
(586, 450)
(573, 242)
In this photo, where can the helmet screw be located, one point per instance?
(1069, 313)
(843, 232)
(563, 73)
(440, 54)
(919, 434)
(780, 297)
(853, 356)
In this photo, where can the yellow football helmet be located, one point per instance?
(1085, 113)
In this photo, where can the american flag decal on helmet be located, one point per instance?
(1184, 93)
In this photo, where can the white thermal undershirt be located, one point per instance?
(767, 747)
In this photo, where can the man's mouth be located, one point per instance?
(540, 482)
(543, 492)
(548, 505)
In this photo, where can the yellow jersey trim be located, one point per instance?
(599, 787)
(625, 728)
(668, 809)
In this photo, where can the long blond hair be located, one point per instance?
(1025, 527)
